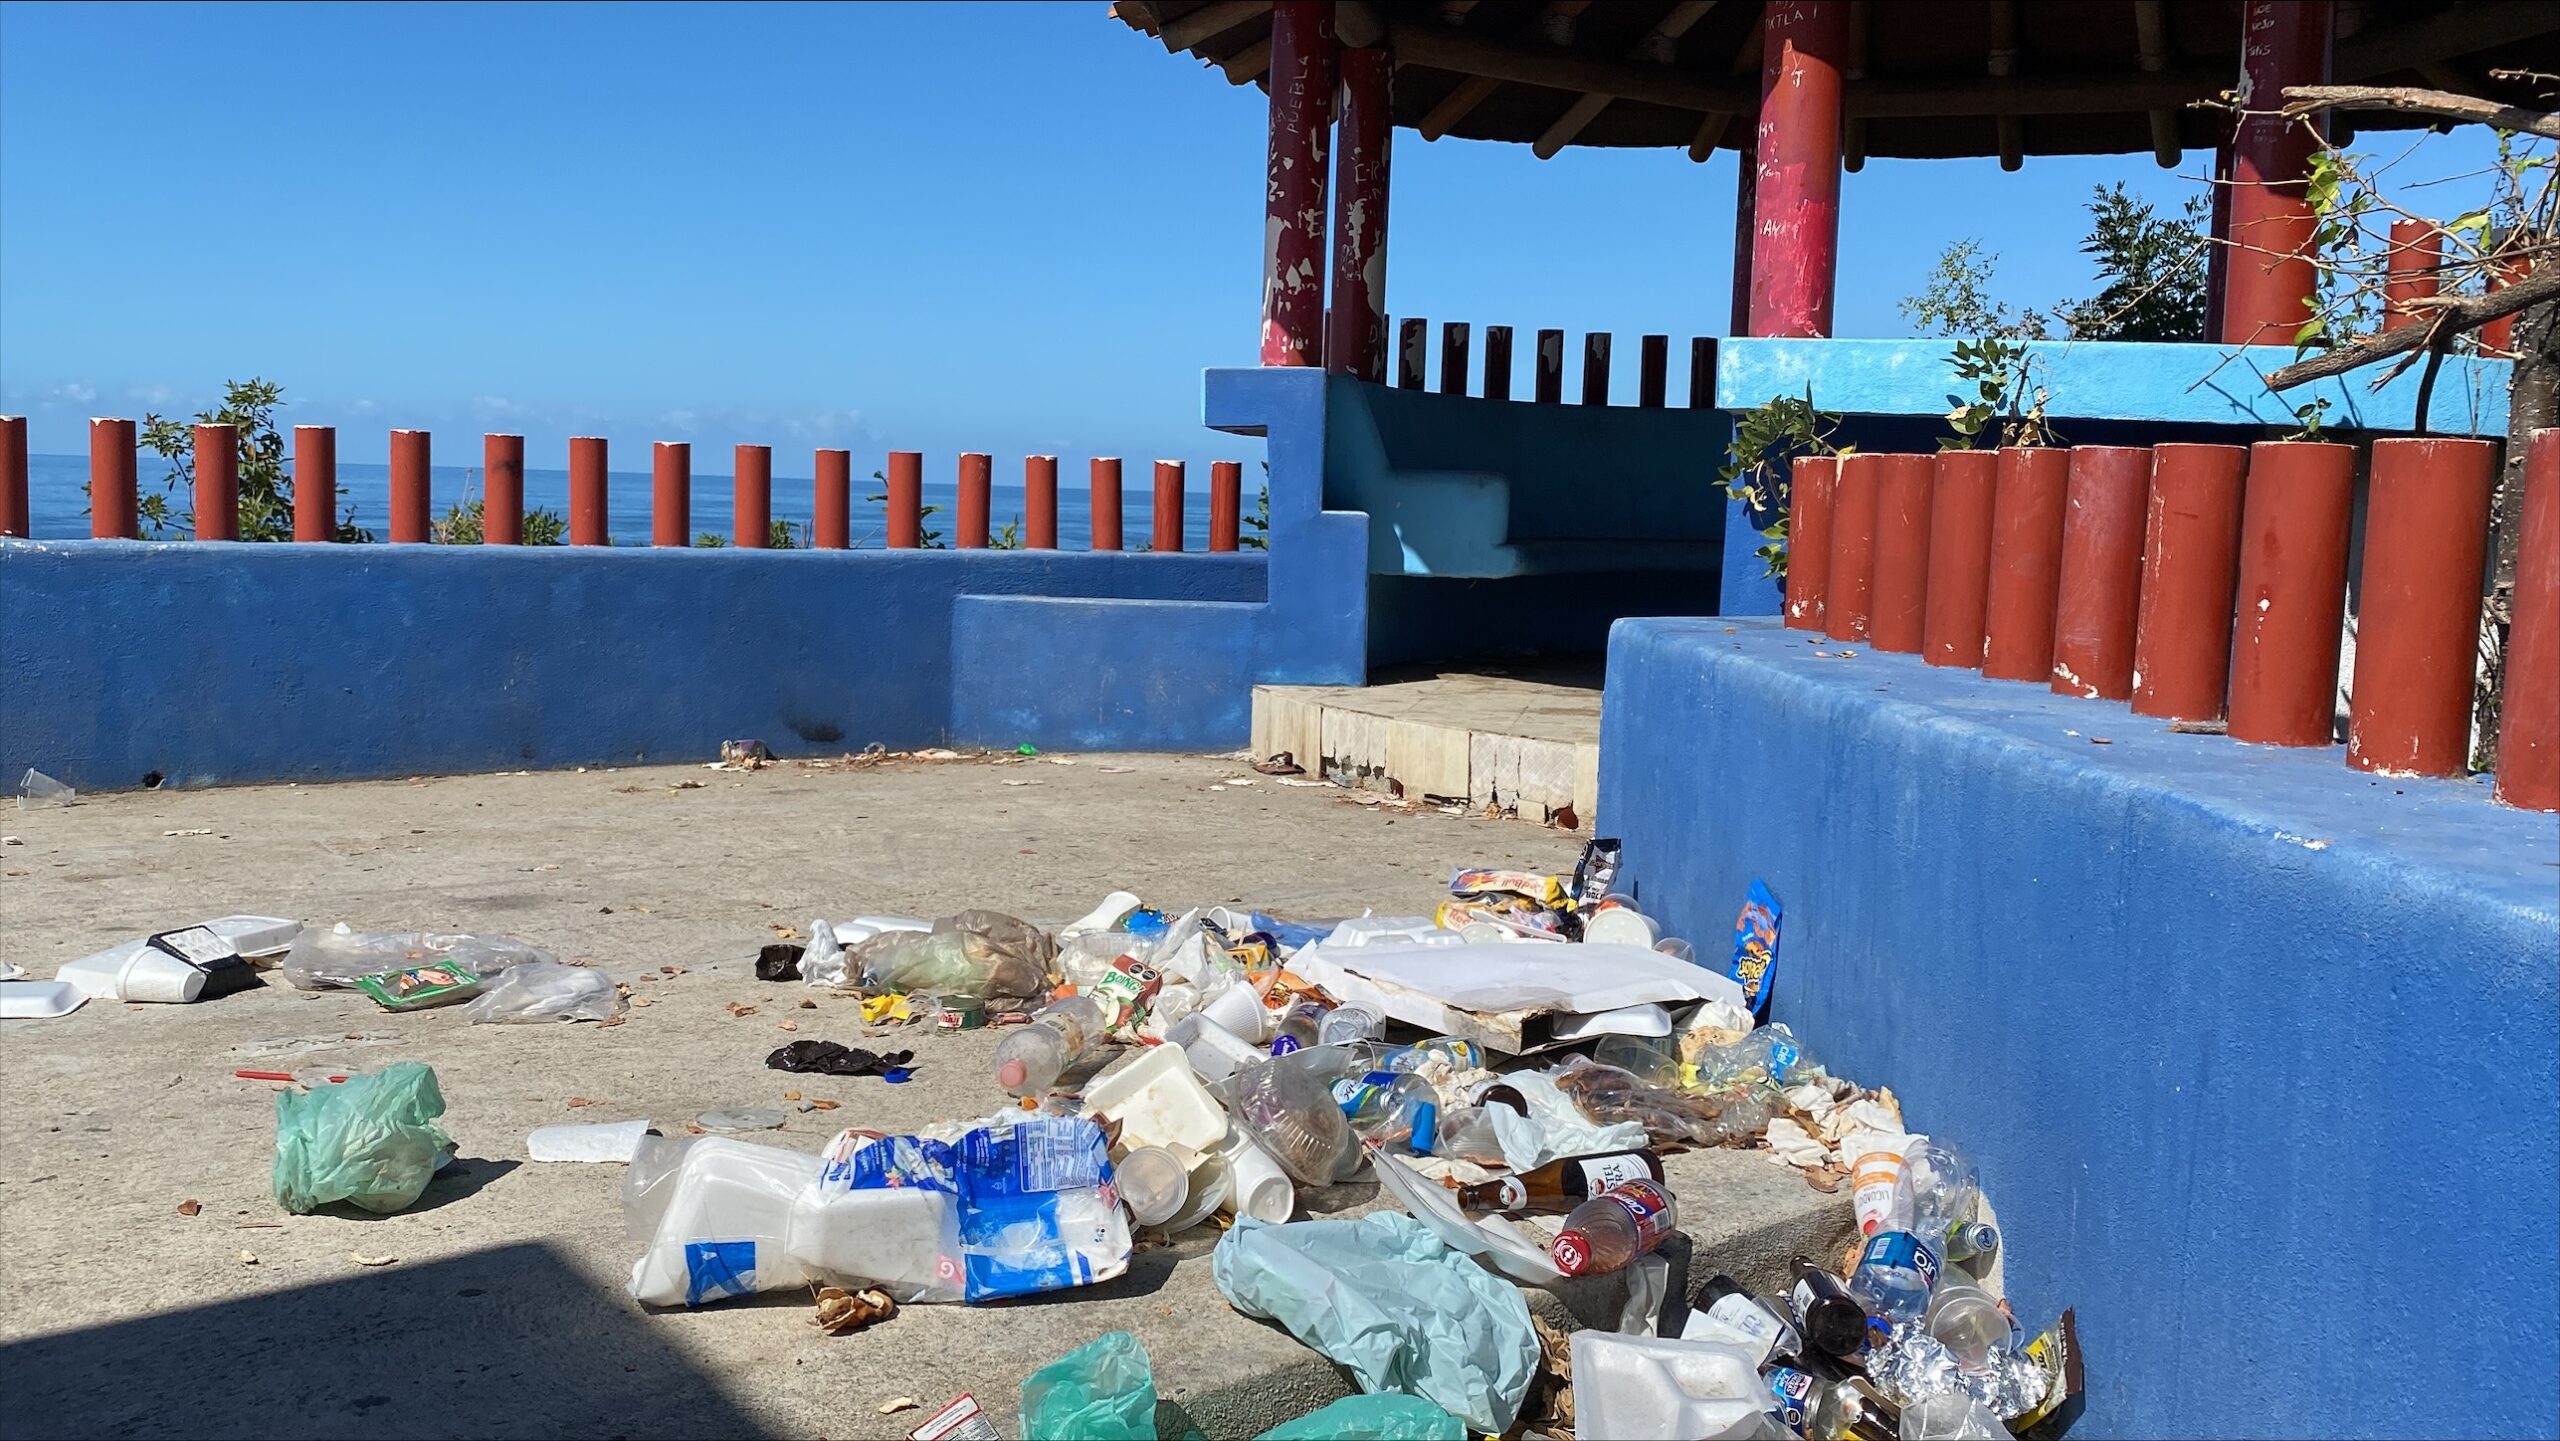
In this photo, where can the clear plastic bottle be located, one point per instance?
(1345, 1024)
(1291, 1110)
(1896, 1272)
(1397, 1111)
(1609, 1231)
(1443, 1056)
(1030, 1060)
(1299, 1028)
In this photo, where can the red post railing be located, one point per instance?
(1497, 362)
(2293, 592)
(412, 501)
(1851, 588)
(114, 498)
(1226, 505)
(1454, 366)
(315, 482)
(2098, 592)
(2271, 275)
(1811, 490)
(1653, 371)
(1960, 506)
(1546, 378)
(1413, 342)
(977, 496)
(751, 497)
(1105, 482)
(2426, 539)
(13, 476)
(2416, 250)
(906, 500)
(2026, 564)
(1595, 368)
(217, 482)
(671, 493)
(502, 489)
(1167, 515)
(1040, 502)
(832, 518)
(1898, 604)
(2190, 573)
(1796, 192)
(589, 523)
(2529, 713)
(1355, 341)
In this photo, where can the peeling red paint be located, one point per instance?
(2270, 279)
(1356, 328)
(1796, 191)
(1302, 83)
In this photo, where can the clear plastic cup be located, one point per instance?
(1154, 1183)
(1967, 1321)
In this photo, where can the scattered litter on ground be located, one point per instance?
(190, 1208)
(362, 1259)
(38, 791)
(371, 1141)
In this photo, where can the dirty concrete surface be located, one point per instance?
(500, 1311)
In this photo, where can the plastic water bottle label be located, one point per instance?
(1283, 1045)
(1649, 1206)
(1794, 1391)
(1782, 1058)
(1901, 1251)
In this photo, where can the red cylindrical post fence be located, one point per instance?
(502, 489)
(315, 482)
(2529, 712)
(588, 524)
(2426, 539)
(2271, 275)
(1293, 261)
(412, 465)
(1595, 368)
(2293, 592)
(977, 496)
(1167, 514)
(1453, 356)
(1105, 481)
(1355, 338)
(2498, 337)
(2026, 563)
(114, 503)
(1040, 502)
(1960, 506)
(1413, 341)
(751, 497)
(1811, 488)
(1497, 362)
(2098, 594)
(906, 500)
(1653, 371)
(217, 482)
(2417, 249)
(1899, 602)
(831, 522)
(1796, 193)
(13, 476)
(2190, 572)
(1851, 587)
(1226, 504)
(671, 493)
(1546, 384)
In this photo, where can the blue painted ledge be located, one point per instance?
(2256, 1052)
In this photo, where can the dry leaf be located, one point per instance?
(611, 1021)
(577, 1101)
(902, 1403)
(787, 933)
(1825, 1179)
(189, 1208)
(826, 1105)
(791, 1095)
(840, 1310)
(362, 1259)
(248, 1258)
(787, 1026)
(671, 970)
(808, 1005)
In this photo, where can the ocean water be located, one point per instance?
(59, 504)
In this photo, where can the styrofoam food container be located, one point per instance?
(1158, 1101)
(133, 971)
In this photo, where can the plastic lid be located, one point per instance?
(1012, 1074)
(1572, 1252)
(1154, 1183)
(1426, 1126)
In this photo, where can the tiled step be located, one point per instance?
(1528, 745)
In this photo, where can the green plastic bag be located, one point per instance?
(370, 1139)
(1372, 1418)
(1102, 1392)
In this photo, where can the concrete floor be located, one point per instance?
(502, 1312)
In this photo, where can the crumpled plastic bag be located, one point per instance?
(1608, 1095)
(1372, 1418)
(546, 990)
(370, 1139)
(1105, 1391)
(1390, 1301)
(338, 957)
(979, 954)
(1554, 1127)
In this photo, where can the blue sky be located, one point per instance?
(1004, 227)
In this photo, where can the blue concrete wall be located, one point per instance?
(2256, 1052)
(214, 663)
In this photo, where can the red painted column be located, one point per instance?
(2190, 573)
(751, 497)
(502, 489)
(906, 500)
(2417, 249)
(1812, 488)
(1960, 507)
(588, 522)
(217, 482)
(1105, 483)
(1851, 589)
(671, 493)
(2426, 540)
(2027, 503)
(831, 510)
(412, 465)
(1355, 337)
(2498, 337)
(1796, 201)
(2529, 713)
(114, 504)
(315, 482)
(1226, 504)
(1746, 221)
(1168, 507)
(1040, 502)
(977, 496)
(1900, 600)
(2293, 592)
(1293, 264)
(13, 476)
(2098, 595)
(2271, 277)
(2217, 256)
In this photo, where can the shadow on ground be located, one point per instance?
(513, 1341)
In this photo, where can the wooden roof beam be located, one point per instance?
(1562, 70)
(2151, 39)
(1659, 46)
(1209, 22)
(1247, 65)
(2002, 64)
(2036, 95)
(1853, 128)
(1472, 91)
(2387, 48)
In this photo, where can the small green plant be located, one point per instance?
(928, 539)
(266, 491)
(2006, 407)
(2310, 419)
(1767, 441)
(1256, 531)
(784, 535)
(710, 540)
(1008, 536)
(464, 523)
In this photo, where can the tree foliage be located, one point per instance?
(463, 524)
(2152, 269)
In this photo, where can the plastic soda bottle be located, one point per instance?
(1611, 1229)
(1299, 1027)
(1031, 1059)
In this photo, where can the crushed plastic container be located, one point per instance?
(339, 957)
(38, 791)
(1214, 1052)
(1630, 1386)
(723, 1223)
(1154, 1183)
(1159, 1101)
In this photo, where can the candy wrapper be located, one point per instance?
(2056, 1353)
(1487, 884)
(1755, 945)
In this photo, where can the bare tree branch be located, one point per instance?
(2455, 316)
(2301, 100)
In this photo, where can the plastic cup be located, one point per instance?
(1257, 1187)
(156, 976)
(1214, 1051)
(1154, 1183)
(1236, 1010)
(1620, 925)
(1211, 1184)
(1966, 1321)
